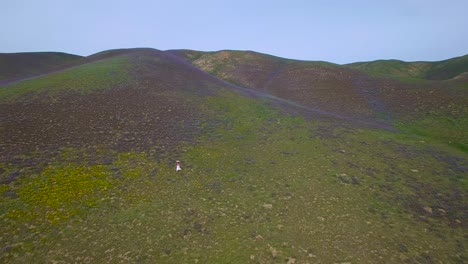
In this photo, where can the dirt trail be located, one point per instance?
(314, 111)
(273, 74)
(371, 93)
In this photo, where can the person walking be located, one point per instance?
(178, 166)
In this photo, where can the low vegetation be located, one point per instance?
(258, 186)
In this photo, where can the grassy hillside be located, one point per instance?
(439, 70)
(87, 170)
(21, 65)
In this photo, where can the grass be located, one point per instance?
(103, 74)
(259, 186)
(440, 128)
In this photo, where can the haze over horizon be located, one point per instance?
(334, 31)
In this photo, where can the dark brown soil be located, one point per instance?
(161, 109)
(124, 119)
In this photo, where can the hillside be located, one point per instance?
(22, 65)
(282, 161)
(319, 85)
(84, 102)
(344, 92)
(439, 70)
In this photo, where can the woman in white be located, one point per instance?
(178, 166)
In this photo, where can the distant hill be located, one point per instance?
(439, 70)
(20, 65)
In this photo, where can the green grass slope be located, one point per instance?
(22, 65)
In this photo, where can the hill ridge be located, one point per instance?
(430, 70)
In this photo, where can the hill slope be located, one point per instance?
(85, 102)
(320, 85)
(87, 158)
(22, 65)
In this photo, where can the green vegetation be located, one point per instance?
(103, 74)
(438, 128)
(258, 186)
(58, 188)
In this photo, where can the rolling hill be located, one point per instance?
(283, 161)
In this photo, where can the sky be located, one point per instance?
(339, 31)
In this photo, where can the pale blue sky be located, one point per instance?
(331, 30)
